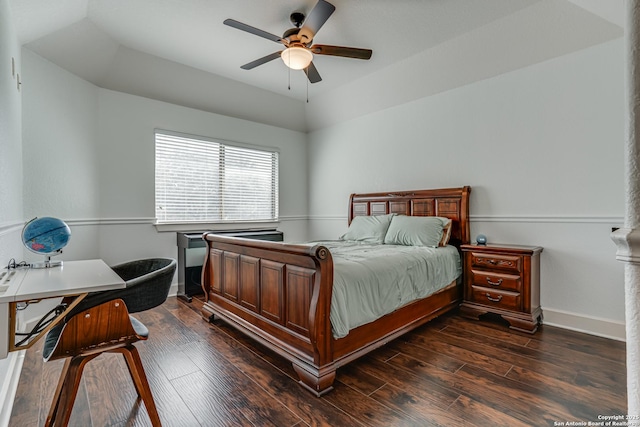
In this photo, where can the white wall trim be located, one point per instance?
(10, 227)
(9, 385)
(109, 221)
(584, 219)
(328, 218)
(605, 328)
(138, 220)
(294, 218)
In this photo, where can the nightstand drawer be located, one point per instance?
(500, 299)
(497, 262)
(496, 281)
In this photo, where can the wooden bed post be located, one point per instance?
(320, 380)
(465, 232)
(205, 281)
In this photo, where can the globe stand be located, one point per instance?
(47, 263)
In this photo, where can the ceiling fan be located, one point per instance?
(298, 52)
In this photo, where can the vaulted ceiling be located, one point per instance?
(115, 43)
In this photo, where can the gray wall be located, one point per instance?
(11, 216)
(542, 149)
(104, 141)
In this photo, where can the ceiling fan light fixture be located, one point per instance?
(296, 58)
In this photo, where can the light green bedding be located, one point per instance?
(371, 280)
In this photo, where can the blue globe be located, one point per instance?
(45, 235)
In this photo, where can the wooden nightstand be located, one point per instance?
(505, 280)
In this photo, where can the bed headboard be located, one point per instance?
(446, 202)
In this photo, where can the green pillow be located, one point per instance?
(370, 229)
(415, 230)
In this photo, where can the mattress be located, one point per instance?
(371, 280)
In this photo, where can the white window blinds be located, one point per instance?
(199, 180)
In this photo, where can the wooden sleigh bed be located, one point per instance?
(280, 294)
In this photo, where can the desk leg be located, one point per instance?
(5, 332)
(13, 306)
(185, 297)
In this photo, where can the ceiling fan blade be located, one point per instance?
(315, 20)
(249, 29)
(312, 73)
(260, 61)
(347, 52)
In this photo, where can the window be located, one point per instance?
(202, 180)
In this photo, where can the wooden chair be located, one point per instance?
(107, 328)
(101, 323)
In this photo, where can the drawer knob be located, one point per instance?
(490, 298)
(498, 283)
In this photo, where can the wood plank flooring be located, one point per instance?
(450, 372)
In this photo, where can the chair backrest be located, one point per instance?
(148, 284)
(96, 329)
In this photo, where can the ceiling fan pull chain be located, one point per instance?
(307, 90)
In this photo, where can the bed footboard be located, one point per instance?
(280, 295)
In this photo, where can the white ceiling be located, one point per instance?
(98, 39)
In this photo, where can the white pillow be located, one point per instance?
(415, 230)
(370, 229)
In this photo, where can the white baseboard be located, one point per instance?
(605, 328)
(9, 384)
(173, 290)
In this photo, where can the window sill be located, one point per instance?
(183, 227)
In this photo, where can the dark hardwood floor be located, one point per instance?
(450, 372)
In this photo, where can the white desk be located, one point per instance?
(73, 278)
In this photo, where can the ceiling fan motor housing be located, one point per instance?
(291, 34)
(297, 18)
